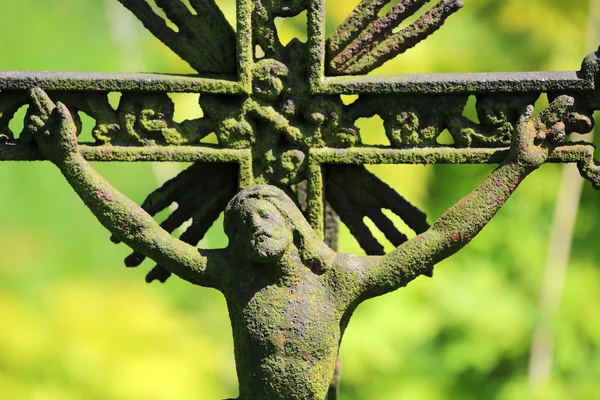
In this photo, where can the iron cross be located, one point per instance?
(278, 116)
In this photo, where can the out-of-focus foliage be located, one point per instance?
(75, 324)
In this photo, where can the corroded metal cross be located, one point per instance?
(280, 123)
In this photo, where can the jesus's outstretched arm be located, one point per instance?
(533, 140)
(54, 131)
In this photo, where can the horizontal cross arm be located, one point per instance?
(575, 152)
(119, 82)
(472, 83)
(427, 155)
(15, 152)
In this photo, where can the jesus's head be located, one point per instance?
(264, 223)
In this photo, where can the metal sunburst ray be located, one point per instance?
(201, 193)
(204, 39)
(355, 193)
(365, 41)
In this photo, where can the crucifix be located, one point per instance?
(290, 163)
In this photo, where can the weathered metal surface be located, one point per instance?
(118, 82)
(10, 152)
(366, 41)
(203, 38)
(471, 83)
(279, 121)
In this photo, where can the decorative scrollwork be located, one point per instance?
(419, 120)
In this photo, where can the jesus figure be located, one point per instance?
(289, 296)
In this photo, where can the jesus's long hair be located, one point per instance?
(314, 253)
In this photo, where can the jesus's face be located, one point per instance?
(263, 231)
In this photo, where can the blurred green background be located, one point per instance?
(75, 324)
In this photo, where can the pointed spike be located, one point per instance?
(353, 219)
(201, 29)
(158, 273)
(391, 200)
(373, 211)
(156, 25)
(203, 206)
(193, 235)
(210, 13)
(161, 198)
(386, 197)
(397, 15)
(406, 39)
(203, 220)
(178, 217)
(359, 19)
(174, 189)
(115, 239)
(176, 11)
(134, 260)
(206, 6)
(375, 32)
(211, 51)
(214, 27)
(365, 201)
